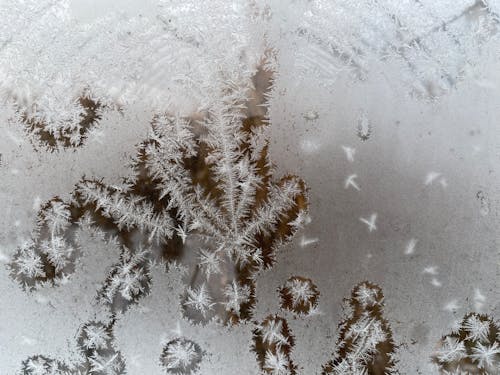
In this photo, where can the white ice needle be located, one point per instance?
(370, 222)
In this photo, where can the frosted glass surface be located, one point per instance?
(260, 187)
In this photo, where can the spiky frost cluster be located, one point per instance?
(49, 255)
(40, 365)
(128, 280)
(181, 357)
(70, 131)
(472, 348)
(417, 36)
(365, 345)
(273, 343)
(52, 58)
(299, 295)
(207, 184)
(95, 342)
(232, 205)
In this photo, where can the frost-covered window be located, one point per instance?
(261, 187)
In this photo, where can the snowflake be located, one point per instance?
(106, 364)
(58, 252)
(56, 216)
(271, 331)
(199, 299)
(129, 278)
(40, 365)
(181, 356)
(209, 262)
(452, 350)
(476, 328)
(236, 296)
(99, 356)
(486, 356)
(28, 262)
(300, 295)
(366, 295)
(50, 254)
(276, 363)
(37, 366)
(95, 337)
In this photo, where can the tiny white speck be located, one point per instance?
(451, 306)
(410, 247)
(431, 270)
(37, 202)
(436, 282)
(3, 258)
(349, 152)
(479, 299)
(304, 241)
(309, 146)
(431, 177)
(370, 223)
(351, 182)
(311, 115)
(28, 341)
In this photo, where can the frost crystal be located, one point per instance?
(472, 348)
(128, 279)
(299, 295)
(99, 356)
(365, 343)
(181, 357)
(236, 296)
(199, 299)
(50, 254)
(206, 184)
(273, 343)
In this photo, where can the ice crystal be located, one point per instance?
(181, 357)
(99, 356)
(129, 279)
(208, 181)
(273, 343)
(365, 345)
(472, 348)
(50, 254)
(236, 296)
(199, 299)
(300, 295)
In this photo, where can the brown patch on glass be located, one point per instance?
(365, 343)
(273, 343)
(473, 347)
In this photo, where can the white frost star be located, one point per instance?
(370, 222)
(350, 182)
(349, 152)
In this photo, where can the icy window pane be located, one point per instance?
(249, 187)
